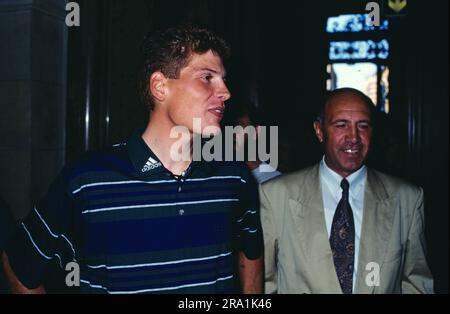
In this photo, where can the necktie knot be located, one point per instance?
(345, 187)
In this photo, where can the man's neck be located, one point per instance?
(157, 137)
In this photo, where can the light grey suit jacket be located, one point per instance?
(298, 257)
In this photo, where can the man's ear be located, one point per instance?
(157, 84)
(318, 130)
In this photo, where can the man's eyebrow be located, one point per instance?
(339, 120)
(210, 70)
(347, 120)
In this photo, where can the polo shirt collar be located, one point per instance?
(145, 162)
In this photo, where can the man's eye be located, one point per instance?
(340, 125)
(207, 77)
(363, 126)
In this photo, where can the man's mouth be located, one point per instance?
(351, 151)
(217, 111)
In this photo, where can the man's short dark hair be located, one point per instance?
(170, 50)
(345, 90)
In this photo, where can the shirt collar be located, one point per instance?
(145, 162)
(333, 179)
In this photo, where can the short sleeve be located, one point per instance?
(248, 223)
(45, 238)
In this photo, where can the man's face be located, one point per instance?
(199, 92)
(346, 133)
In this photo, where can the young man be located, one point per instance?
(138, 220)
(340, 227)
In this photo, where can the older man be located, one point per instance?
(340, 227)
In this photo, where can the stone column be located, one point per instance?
(33, 62)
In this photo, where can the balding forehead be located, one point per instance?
(348, 98)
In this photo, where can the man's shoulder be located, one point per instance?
(237, 168)
(293, 180)
(229, 171)
(108, 159)
(102, 157)
(394, 185)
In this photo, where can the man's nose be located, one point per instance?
(353, 134)
(222, 92)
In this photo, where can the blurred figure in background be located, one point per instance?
(248, 115)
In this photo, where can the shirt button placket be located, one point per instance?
(181, 211)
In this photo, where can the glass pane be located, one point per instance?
(384, 89)
(352, 23)
(357, 50)
(362, 76)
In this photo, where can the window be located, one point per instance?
(358, 55)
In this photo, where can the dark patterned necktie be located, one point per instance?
(342, 240)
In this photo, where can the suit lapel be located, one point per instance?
(309, 217)
(378, 218)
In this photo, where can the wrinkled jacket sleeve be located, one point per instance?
(417, 277)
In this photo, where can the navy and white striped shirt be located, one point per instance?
(133, 227)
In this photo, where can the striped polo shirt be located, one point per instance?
(134, 227)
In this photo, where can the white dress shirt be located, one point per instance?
(264, 172)
(332, 194)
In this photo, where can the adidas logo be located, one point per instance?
(150, 165)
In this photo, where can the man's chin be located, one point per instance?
(352, 167)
